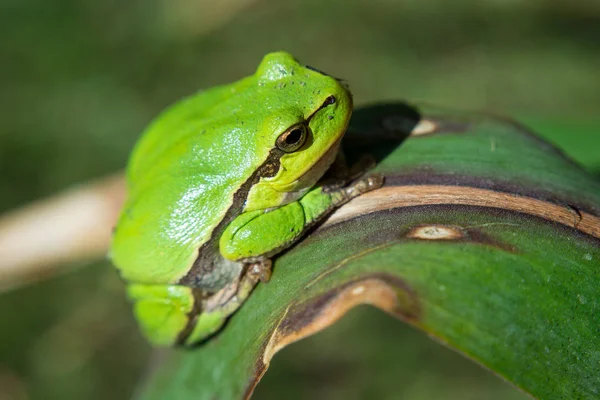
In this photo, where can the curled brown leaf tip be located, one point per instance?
(301, 320)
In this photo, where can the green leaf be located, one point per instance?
(578, 137)
(484, 237)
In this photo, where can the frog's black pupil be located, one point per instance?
(329, 100)
(294, 136)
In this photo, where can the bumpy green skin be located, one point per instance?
(182, 178)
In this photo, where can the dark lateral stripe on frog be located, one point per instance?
(192, 317)
(208, 254)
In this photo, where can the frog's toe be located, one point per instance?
(261, 270)
(365, 184)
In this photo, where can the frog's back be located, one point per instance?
(182, 179)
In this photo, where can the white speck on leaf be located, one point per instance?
(358, 290)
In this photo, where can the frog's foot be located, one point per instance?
(231, 297)
(260, 270)
(366, 183)
(363, 185)
(222, 304)
(221, 299)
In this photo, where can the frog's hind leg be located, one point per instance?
(175, 314)
(231, 297)
(163, 311)
(219, 306)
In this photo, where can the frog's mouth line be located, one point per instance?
(316, 170)
(327, 157)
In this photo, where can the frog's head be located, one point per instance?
(306, 115)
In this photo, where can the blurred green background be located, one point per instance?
(79, 79)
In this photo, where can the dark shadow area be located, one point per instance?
(577, 24)
(377, 130)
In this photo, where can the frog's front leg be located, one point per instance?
(259, 234)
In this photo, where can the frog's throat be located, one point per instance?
(210, 269)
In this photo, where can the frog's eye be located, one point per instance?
(292, 139)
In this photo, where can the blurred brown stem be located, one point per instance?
(75, 226)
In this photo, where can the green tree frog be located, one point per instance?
(221, 182)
